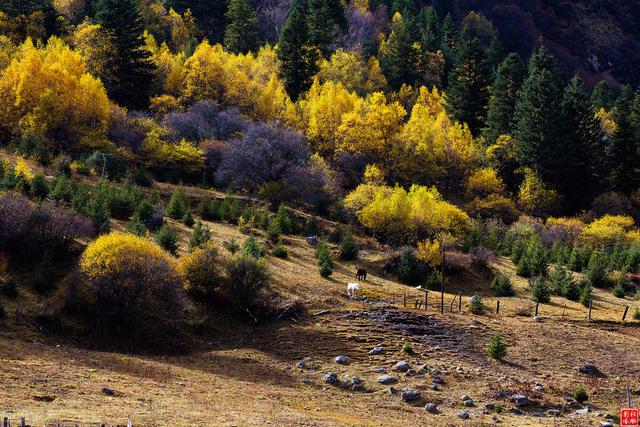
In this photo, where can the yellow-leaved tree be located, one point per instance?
(611, 229)
(49, 91)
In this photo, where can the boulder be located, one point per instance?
(520, 400)
(409, 396)
(431, 407)
(589, 369)
(387, 379)
(463, 415)
(376, 350)
(343, 360)
(401, 366)
(331, 378)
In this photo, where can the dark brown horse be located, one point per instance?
(361, 274)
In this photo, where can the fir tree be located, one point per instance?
(327, 22)
(298, 57)
(431, 37)
(497, 348)
(200, 235)
(209, 14)
(468, 94)
(241, 35)
(399, 58)
(623, 152)
(504, 94)
(136, 226)
(603, 96)
(324, 259)
(539, 123)
(167, 238)
(539, 290)
(131, 64)
(178, 204)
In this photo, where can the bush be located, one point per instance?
(407, 347)
(481, 258)
(580, 395)
(324, 259)
(167, 238)
(497, 348)
(502, 287)
(579, 259)
(136, 226)
(597, 271)
(559, 280)
(274, 231)
(252, 248)
(348, 248)
(539, 290)
(62, 165)
(39, 188)
(178, 204)
(475, 305)
(534, 261)
(434, 280)
(199, 236)
(187, 219)
(618, 290)
(280, 251)
(208, 209)
(202, 273)
(135, 285)
(636, 314)
(245, 278)
(43, 279)
(408, 266)
(232, 245)
(586, 294)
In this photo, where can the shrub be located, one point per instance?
(632, 262)
(434, 280)
(502, 287)
(559, 280)
(135, 284)
(539, 290)
(324, 259)
(618, 290)
(586, 294)
(636, 314)
(481, 257)
(579, 258)
(62, 165)
(136, 226)
(208, 209)
(39, 188)
(348, 248)
(202, 273)
(178, 204)
(580, 395)
(534, 261)
(283, 220)
(475, 305)
(141, 176)
(245, 278)
(597, 271)
(497, 348)
(407, 347)
(187, 219)
(408, 268)
(167, 238)
(280, 251)
(252, 248)
(274, 231)
(43, 278)
(232, 245)
(199, 236)
(124, 201)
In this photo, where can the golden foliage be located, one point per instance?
(611, 229)
(534, 197)
(430, 253)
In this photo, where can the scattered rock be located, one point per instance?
(44, 398)
(345, 384)
(409, 396)
(392, 390)
(379, 370)
(431, 407)
(434, 387)
(411, 373)
(538, 415)
(331, 378)
(111, 392)
(520, 400)
(342, 360)
(357, 387)
(402, 366)
(537, 318)
(582, 411)
(490, 406)
(437, 380)
(356, 380)
(469, 403)
(516, 411)
(376, 350)
(301, 364)
(387, 379)
(465, 397)
(538, 388)
(606, 424)
(553, 413)
(463, 415)
(589, 369)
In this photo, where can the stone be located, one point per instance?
(111, 392)
(356, 380)
(409, 396)
(401, 366)
(379, 370)
(538, 415)
(357, 387)
(301, 364)
(538, 388)
(343, 360)
(331, 378)
(411, 373)
(345, 384)
(606, 424)
(516, 411)
(490, 406)
(589, 369)
(582, 411)
(465, 397)
(463, 415)
(469, 403)
(434, 387)
(520, 400)
(553, 413)
(392, 390)
(437, 380)
(387, 379)
(376, 351)
(431, 407)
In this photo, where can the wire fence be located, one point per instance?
(436, 302)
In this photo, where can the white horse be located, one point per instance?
(352, 290)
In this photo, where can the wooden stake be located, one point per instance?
(537, 304)
(426, 299)
(498, 307)
(624, 316)
(590, 305)
(460, 301)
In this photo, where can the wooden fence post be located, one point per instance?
(405, 299)
(426, 299)
(624, 316)
(537, 304)
(498, 307)
(460, 301)
(590, 305)
(5, 422)
(23, 422)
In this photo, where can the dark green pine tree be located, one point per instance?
(241, 35)
(15, 8)
(299, 58)
(539, 127)
(582, 148)
(398, 56)
(209, 14)
(327, 23)
(494, 55)
(468, 93)
(603, 96)
(431, 39)
(131, 65)
(504, 93)
(449, 41)
(623, 152)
